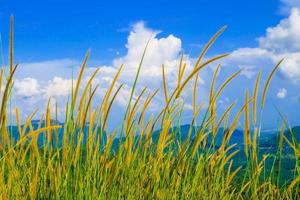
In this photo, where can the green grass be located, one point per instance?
(140, 168)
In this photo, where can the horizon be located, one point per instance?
(272, 131)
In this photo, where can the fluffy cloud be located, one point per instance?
(58, 87)
(281, 41)
(27, 87)
(281, 94)
(291, 66)
(285, 37)
(159, 51)
(165, 50)
(31, 87)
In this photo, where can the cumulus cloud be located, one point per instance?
(57, 87)
(285, 36)
(31, 87)
(281, 94)
(280, 41)
(283, 41)
(27, 87)
(159, 51)
(291, 66)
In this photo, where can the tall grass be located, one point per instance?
(88, 164)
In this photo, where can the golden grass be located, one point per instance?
(77, 160)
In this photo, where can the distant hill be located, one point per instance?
(268, 140)
(272, 142)
(237, 136)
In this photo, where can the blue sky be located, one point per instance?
(51, 38)
(44, 27)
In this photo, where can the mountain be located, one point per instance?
(272, 143)
(268, 139)
(57, 136)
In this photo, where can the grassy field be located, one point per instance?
(84, 162)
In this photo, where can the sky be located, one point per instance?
(52, 37)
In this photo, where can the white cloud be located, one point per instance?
(285, 36)
(160, 51)
(57, 87)
(281, 41)
(165, 50)
(281, 94)
(290, 68)
(30, 87)
(249, 60)
(27, 87)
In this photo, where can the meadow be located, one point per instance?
(82, 159)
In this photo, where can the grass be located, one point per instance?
(139, 168)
